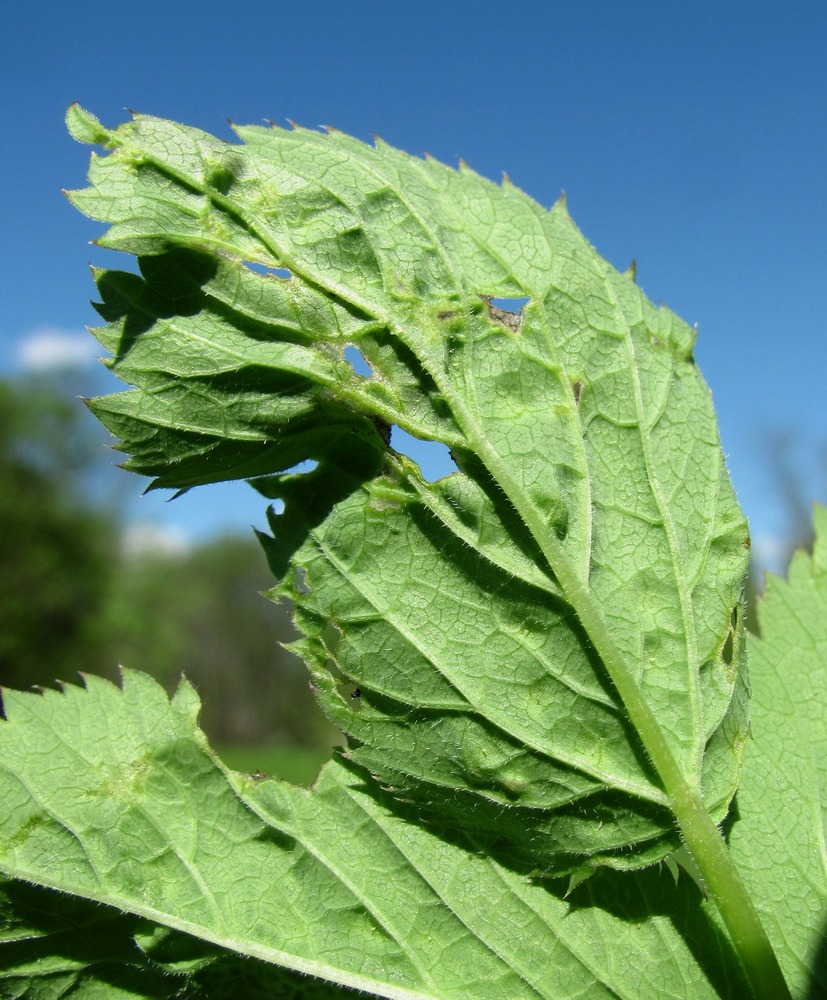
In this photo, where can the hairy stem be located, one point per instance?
(702, 837)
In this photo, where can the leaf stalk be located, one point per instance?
(699, 831)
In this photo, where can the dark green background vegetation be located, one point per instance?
(74, 600)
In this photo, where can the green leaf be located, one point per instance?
(115, 796)
(547, 642)
(779, 842)
(56, 945)
(538, 660)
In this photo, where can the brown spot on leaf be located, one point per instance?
(511, 320)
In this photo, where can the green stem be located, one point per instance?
(701, 836)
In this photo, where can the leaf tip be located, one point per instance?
(576, 878)
(85, 127)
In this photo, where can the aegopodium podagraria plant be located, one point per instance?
(539, 660)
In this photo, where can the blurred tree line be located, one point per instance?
(74, 600)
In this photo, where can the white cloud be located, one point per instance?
(48, 348)
(771, 552)
(144, 538)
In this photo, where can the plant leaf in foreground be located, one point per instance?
(114, 796)
(547, 643)
(779, 843)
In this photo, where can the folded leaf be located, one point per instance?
(546, 643)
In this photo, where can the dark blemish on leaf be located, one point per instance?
(577, 389)
(356, 693)
(728, 649)
(220, 178)
(447, 314)
(383, 428)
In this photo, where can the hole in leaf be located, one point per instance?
(356, 360)
(300, 580)
(506, 312)
(274, 272)
(434, 459)
(510, 305)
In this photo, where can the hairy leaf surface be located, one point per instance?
(115, 796)
(525, 633)
(589, 476)
(780, 842)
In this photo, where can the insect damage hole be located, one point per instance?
(357, 362)
(507, 312)
(730, 646)
(434, 459)
(274, 272)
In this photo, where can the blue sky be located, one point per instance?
(688, 136)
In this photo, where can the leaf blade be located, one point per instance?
(585, 415)
(779, 839)
(470, 925)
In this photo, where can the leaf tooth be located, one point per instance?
(85, 127)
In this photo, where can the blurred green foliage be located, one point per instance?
(202, 613)
(74, 600)
(298, 765)
(56, 566)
